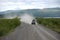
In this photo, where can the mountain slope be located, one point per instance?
(47, 12)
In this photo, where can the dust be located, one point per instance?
(27, 18)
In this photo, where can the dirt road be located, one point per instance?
(31, 32)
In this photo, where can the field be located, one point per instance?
(52, 23)
(7, 25)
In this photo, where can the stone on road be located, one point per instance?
(31, 32)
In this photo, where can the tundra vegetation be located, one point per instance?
(52, 23)
(7, 25)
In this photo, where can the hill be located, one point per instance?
(47, 12)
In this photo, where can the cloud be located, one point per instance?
(27, 4)
(7, 6)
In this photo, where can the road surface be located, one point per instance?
(31, 32)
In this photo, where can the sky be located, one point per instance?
(27, 4)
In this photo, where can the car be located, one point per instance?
(33, 22)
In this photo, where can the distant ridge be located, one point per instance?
(46, 12)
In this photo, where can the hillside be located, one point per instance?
(47, 12)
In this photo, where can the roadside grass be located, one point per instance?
(6, 25)
(52, 23)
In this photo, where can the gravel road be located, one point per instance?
(31, 32)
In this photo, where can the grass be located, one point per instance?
(52, 23)
(6, 25)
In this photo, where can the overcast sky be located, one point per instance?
(27, 4)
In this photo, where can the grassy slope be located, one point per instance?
(52, 23)
(6, 25)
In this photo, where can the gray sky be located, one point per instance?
(27, 4)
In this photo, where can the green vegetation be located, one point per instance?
(52, 23)
(7, 25)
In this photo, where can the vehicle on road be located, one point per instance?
(33, 22)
